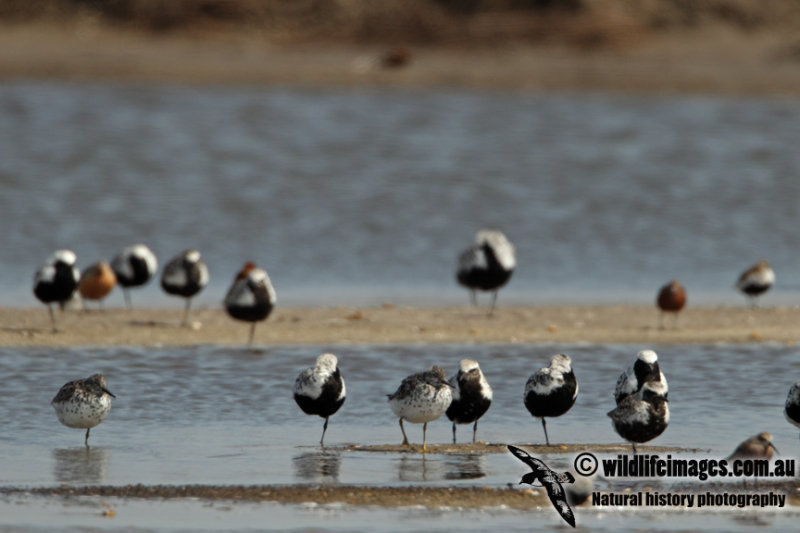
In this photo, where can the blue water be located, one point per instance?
(361, 196)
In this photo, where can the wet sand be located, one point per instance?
(390, 324)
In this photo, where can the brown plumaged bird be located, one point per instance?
(96, 282)
(756, 447)
(671, 299)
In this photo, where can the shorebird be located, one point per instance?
(644, 369)
(185, 275)
(96, 282)
(671, 299)
(642, 420)
(792, 409)
(56, 281)
(756, 447)
(756, 280)
(421, 398)
(251, 297)
(486, 265)
(134, 266)
(472, 396)
(550, 480)
(551, 391)
(83, 403)
(320, 390)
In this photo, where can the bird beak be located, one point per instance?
(109, 393)
(774, 448)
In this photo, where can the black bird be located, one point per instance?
(56, 281)
(134, 266)
(472, 396)
(552, 390)
(792, 408)
(756, 280)
(487, 265)
(550, 480)
(642, 420)
(320, 390)
(185, 275)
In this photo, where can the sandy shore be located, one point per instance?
(703, 60)
(390, 324)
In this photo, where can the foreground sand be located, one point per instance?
(390, 324)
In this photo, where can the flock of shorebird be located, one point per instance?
(641, 394)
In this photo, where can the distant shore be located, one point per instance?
(702, 60)
(389, 324)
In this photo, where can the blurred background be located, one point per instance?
(353, 148)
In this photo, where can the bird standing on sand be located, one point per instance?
(643, 370)
(472, 396)
(320, 390)
(251, 297)
(550, 480)
(756, 447)
(421, 398)
(487, 265)
(756, 280)
(792, 408)
(134, 266)
(185, 275)
(642, 420)
(671, 299)
(83, 403)
(96, 282)
(552, 390)
(56, 281)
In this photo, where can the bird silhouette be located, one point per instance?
(550, 480)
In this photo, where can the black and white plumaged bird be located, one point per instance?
(320, 390)
(472, 396)
(83, 403)
(421, 398)
(551, 391)
(642, 420)
(185, 275)
(251, 297)
(644, 369)
(756, 280)
(487, 265)
(134, 266)
(792, 408)
(550, 480)
(56, 281)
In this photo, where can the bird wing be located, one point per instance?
(533, 462)
(556, 494)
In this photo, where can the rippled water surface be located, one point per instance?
(217, 415)
(365, 195)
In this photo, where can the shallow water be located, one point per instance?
(225, 415)
(365, 195)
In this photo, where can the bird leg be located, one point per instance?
(424, 429)
(52, 318)
(405, 439)
(127, 298)
(544, 425)
(634, 447)
(252, 333)
(454, 432)
(494, 302)
(472, 297)
(186, 312)
(86, 440)
(474, 431)
(324, 429)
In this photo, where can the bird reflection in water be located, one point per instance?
(465, 466)
(317, 466)
(81, 465)
(415, 468)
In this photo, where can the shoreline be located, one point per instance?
(704, 60)
(389, 324)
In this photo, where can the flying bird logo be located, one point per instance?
(550, 480)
